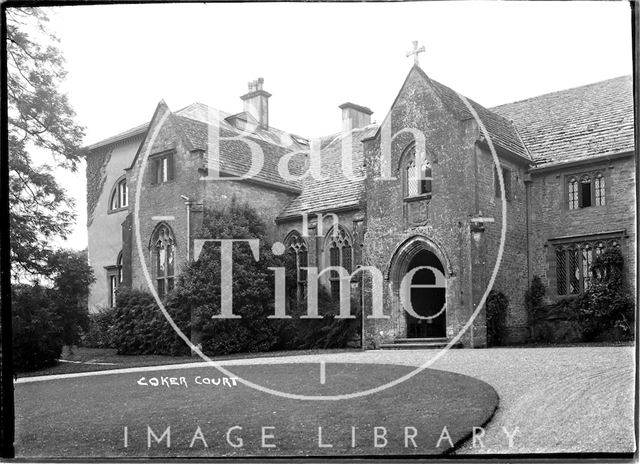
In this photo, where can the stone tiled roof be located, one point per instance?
(578, 123)
(336, 191)
(501, 130)
(235, 157)
(273, 135)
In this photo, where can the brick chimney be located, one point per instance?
(256, 102)
(355, 116)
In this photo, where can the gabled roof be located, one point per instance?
(502, 132)
(578, 123)
(201, 112)
(337, 191)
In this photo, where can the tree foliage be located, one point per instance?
(72, 277)
(47, 317)
(37, 336)
(139, 327)
(199, 286)
(40, 118)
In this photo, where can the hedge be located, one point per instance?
(140, 327)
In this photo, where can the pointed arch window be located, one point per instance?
(163, 252)
(119, 195)
(340, 254)
(297, 247)
(411, 184)
(417, 178)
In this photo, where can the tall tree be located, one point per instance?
(71, 276)
(39, 118)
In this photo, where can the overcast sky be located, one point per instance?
(123, 59)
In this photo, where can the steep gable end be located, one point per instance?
(502, 132)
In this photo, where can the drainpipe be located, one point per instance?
(187, 203)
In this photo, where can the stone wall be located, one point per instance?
(164, 199)
(551, 217)
(512, 277)
(160, 199)
(443, 220)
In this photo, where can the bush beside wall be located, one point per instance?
(496, 309)
(605, 312)
(99, 332)
(140, 327)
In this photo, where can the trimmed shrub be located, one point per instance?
(99, 332)
(37, 335)
(496, 309)
(139, 327)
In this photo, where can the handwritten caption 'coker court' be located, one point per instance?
(168, 382)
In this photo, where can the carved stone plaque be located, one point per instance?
(417, 212)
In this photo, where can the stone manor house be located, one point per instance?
(567, 160)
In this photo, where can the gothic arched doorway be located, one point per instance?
(426, 300)
(427, 290)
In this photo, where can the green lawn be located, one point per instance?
(85, 416)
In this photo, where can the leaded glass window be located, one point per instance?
(573, 193)
(417, 177)
(574, 261)
(299, 251)
(586, 190)
(340, 254)
(599, 187)
(164, 266)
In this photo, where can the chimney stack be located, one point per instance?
(355, 116)
(256, 102)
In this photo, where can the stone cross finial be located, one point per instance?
(416, 50)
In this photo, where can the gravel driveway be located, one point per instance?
(565, 399)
